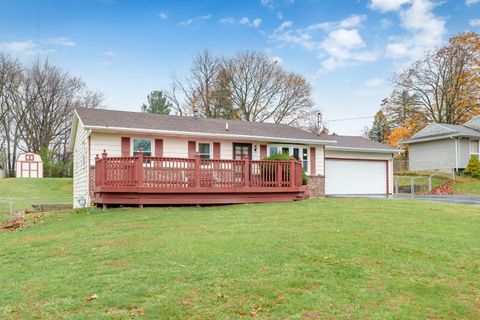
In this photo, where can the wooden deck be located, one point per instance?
(143, 180)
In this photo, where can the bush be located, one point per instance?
(284, 157)
(473, 168)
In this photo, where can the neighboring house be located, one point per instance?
(443, 146)
(351, 165)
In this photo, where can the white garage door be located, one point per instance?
(355, 177)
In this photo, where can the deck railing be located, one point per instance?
(164, 172)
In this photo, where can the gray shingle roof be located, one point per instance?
(455, 130)
(356, 142)
(139, 120)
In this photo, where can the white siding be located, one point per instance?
(438, 154)
(111, 142)
(176, 147)
(80, 166)
(319, 161)
(366, 155)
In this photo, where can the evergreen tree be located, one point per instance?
(157, 103)
(380, 129)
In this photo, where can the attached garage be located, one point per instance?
(355, 176)
(358, 166)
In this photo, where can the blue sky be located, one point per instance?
(347, 49)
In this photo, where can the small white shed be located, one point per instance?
(29, 165)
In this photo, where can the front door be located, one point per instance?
(242, 149)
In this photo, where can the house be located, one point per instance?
(125, 157)
(444, 146)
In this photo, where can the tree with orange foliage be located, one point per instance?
(446, 81)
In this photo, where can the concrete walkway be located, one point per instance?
(448, 198)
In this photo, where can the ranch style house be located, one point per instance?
(134, 158)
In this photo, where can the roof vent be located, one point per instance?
(196, 114)
(226, 126)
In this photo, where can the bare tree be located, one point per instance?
(249, 86)
(445, 84)
(11, 109)
(50, 95)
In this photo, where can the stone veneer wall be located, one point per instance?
(316, 186)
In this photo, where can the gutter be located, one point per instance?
(373, 150)
(204, 134)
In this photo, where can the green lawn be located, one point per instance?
(465, 185)
(315, 259)
(25, 192)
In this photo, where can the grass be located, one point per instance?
(315, 259)
(466, 185)
(25, 192)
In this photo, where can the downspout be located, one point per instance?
(456, 153)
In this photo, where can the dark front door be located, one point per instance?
(242, 149)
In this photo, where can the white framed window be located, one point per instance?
(298, 152)
(204, 149)
(475, 148)
(142, 143)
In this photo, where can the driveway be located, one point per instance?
(448, 198)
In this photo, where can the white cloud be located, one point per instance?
(193, 20)
(474, 22)
(279, 15)
(337, 43)
(244, 20)
(387, 5)
(163, 15)
(256, 22)
(62, 41)
(385, 23)
(109, 53)
(19, 47)
(470, 2)
(228, 20)
(424, 29)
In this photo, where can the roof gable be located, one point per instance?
(474, 123)
(433, 129)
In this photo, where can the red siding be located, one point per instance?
(125, 146)
(313, 167)
(158, 147)
(192, 148)
(263, 151)
(216, 150)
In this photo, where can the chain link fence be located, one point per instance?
(429, 177)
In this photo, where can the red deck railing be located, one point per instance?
(182, 173)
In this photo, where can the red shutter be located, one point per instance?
(125, 146)
(263, 151)
(158, 147)
(192, 148)
(216, 150)
(313, 167)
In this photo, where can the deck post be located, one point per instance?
(198, 175)
(292, 171)
(139, 168)
(104, 167)
(246, 171)
(279, 173)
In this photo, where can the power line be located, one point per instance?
(347, 119)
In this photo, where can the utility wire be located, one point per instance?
(347, 119)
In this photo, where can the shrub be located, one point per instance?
(473, 167)
(284, 157)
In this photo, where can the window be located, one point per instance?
(298, 152)
(144, 144)
(474, 148)
(273, 150)
(305, 159)
(204, 150)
